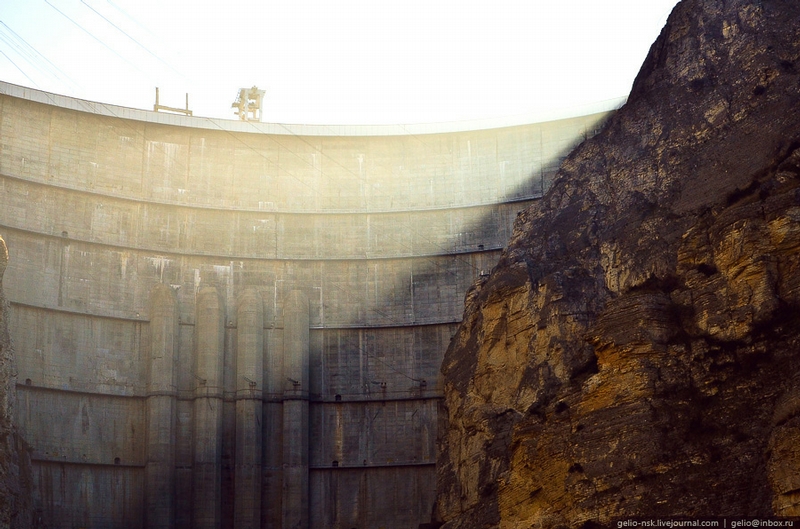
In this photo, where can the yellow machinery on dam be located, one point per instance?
(237, 324)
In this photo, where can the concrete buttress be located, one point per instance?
(207, 471)
(249, 387)
(272, 432)
(295, 411)
(161, 409)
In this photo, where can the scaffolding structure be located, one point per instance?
(159, 107)
(248, 104)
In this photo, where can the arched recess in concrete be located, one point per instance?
(358, 242)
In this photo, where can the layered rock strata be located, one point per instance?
(635, 350)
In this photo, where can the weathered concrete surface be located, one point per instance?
(295, 412)
(208, 410)
(16, 480)
(108, 208)
(634, 352)
(162, 393)
(249, 410)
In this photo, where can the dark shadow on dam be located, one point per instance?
(222, 324)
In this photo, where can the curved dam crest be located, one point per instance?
(221, 324)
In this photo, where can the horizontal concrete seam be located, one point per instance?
(332, 327)
(85, 463)
(368, 466)
(319, 401)
(182, 396)
(201, 394)
(263, 259)
(14, 303)
(302, 212)
(392, 399)
(24, 386)
(374, 465)
(340, 326)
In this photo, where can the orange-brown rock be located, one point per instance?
(636, 351)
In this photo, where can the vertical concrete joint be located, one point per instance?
(296, 323)
(295, 411)
(209, 344)
(249, 387)
(161, 409)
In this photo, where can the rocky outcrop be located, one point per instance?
(16, 483)
(636, 351)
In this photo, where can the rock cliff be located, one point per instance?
(16, 483)
(636, 351)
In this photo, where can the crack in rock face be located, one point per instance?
(634, 352)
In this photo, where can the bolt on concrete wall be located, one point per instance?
(253, 321)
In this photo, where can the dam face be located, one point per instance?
(226, 324)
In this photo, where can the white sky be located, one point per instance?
(333, 61)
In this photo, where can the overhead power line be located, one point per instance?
(34, 57)
(145, 48)
(106, 46)
(20, 69)
(129, 17)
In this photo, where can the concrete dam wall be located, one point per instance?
(227, 324)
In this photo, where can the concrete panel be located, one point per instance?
(159, 486)
(272, 465)
(184, 456)
(78, 352)
(228, 466)
(90, 497)
(387, 363)
(82, 428)
(347, 434)
(389, 498)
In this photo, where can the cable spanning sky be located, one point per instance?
(333, 61)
